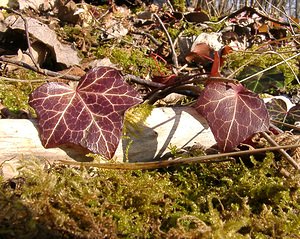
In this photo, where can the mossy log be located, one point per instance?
(179, 127)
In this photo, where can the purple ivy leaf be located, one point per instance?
(294, 114)
(281, 110)
(233, 113)
(277, 109)
(90, 115)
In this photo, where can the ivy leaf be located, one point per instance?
(268, 81)
(90, 115)
(233, 113)
(283, 110)
(294, 113)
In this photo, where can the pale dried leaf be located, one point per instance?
(63, 53)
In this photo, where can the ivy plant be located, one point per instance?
(91, 115)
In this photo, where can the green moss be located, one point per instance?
(174, 32)
(132, 60)
(135, 117)
(179, 5)
(238, 59)
(224, 200)
(14, 95)
(192, 30)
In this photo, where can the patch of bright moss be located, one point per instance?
(224, 200)
(238, 59)
(132, 60)
(192, 30)
(136, 116)
(14, 95)
(179, 5)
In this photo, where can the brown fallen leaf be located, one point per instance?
(64, 54)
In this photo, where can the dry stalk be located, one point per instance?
(281, 151)
(214, 158)
(174, 55)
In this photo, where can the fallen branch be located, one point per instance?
(286, 124)
(39, 70)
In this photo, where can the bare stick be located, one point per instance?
(136, 79)
(281, 151)
(2, 78)
(170, 5)
(174, 56)
(286, 124)
(215, 158)
(39, 70)
(152, 38)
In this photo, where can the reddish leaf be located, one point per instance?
(233, 113)
(215, 69)
(294, 113)
(164, 79)
(90, 115)
(219, 59)
(201, 54)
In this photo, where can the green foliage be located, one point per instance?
(224, 200)
(271, 80)
(174, 32)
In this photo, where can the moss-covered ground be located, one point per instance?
(247, 198)
(223, 200)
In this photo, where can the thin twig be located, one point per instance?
(170, 5)
(268, 52)
(174, 55)
(286, 124)
(215, 158)
(255, 58)
(39, 70)
(152, 38)
(176, 86)
(20, 80)
(136, 79)
(253, 10)
(281, 151)
(288, 64)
